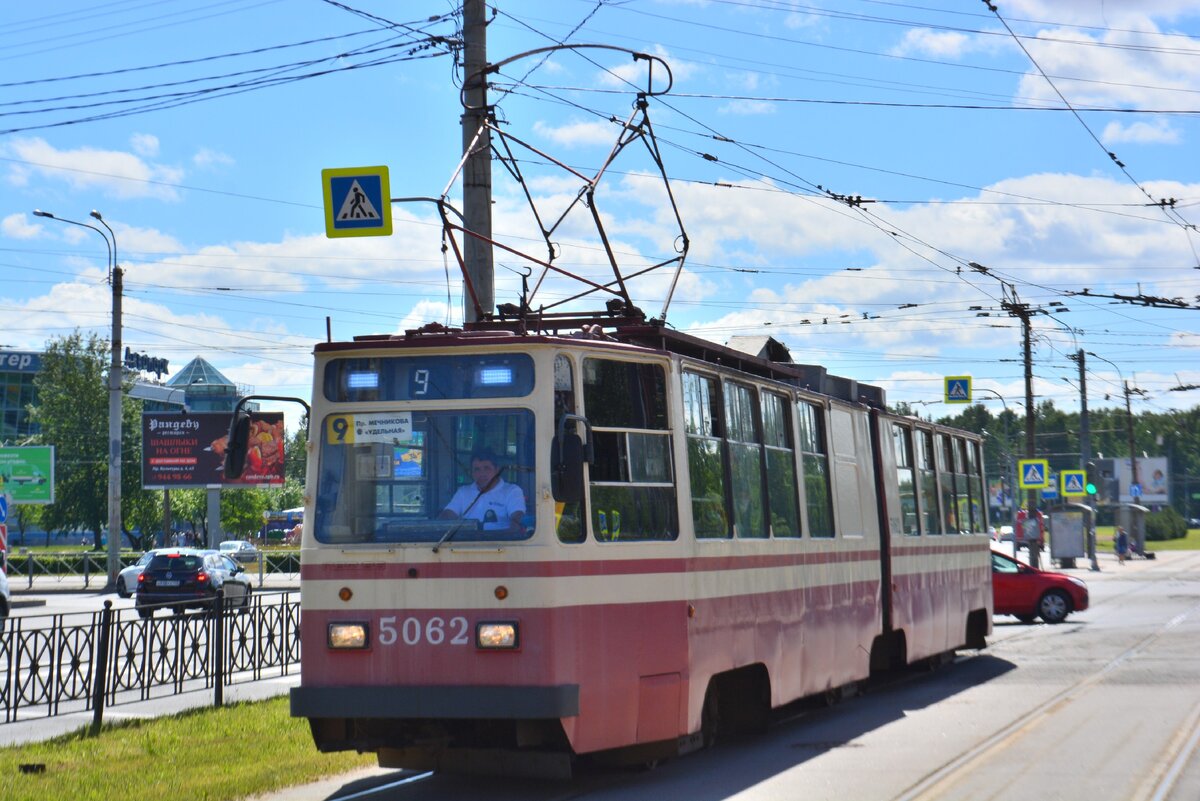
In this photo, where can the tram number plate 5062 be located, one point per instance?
(414, 631)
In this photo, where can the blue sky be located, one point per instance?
(200, 129)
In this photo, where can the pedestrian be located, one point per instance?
(1122, 545)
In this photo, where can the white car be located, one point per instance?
(5, 599)
(127, 578)
(241, 550)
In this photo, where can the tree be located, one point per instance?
(191, 505)
(295, 457)
(72, 411)
(242, 510)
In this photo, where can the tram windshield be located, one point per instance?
(426, 476)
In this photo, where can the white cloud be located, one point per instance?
(942, 44)
(579, 134)
(1160, 131)
(747, 107)
(17, 226)
(207, 157)
(117, 174)
(144, 144)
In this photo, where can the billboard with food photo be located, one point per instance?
(188, 450)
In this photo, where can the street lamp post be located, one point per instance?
(114, 393)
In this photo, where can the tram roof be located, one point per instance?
(635, 331)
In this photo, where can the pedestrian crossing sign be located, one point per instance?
(1074, 482)
(358, 201)
(958, 389)
(1033, 473)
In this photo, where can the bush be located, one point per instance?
(1165, 525)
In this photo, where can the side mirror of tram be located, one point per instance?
(237, 445)
(566, 467)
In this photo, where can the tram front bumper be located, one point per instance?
(453, 702)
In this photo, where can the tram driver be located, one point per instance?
(494, 502)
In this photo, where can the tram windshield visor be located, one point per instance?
(426, 477)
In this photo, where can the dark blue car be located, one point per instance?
(182, 579)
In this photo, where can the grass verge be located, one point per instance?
(202, 755)
(1106, 534)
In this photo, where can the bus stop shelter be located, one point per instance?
(1132, 518)
(1069, 527)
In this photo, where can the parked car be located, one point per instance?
(127, 579)
(240, 550)
(5, 599)
(183, 579)
(1028, 593)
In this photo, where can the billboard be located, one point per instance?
(188, 450)
(1115, 480)
(27, 473)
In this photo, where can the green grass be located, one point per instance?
(1105, 534)
(202, 755)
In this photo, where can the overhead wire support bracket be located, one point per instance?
(636, 126)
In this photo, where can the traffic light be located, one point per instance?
(1090, 487)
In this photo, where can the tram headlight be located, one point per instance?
(497, 635)
(348, 636)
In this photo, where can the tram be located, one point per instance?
(522, 546)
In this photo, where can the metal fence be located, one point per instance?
(56, 664)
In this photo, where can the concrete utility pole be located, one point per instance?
(477, 170)
(1023, 313)
(115, 379)
(1085, 454)
(1139, 546)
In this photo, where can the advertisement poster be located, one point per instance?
(1153, 480)
(27, 473)
(188, 450)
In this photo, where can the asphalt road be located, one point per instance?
(1105, 707)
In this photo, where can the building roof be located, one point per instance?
(198, 371)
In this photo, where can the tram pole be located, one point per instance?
(477, 170)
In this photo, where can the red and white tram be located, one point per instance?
(705, 534)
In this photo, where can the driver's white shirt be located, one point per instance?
(503, 500)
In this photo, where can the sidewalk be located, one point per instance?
(19, 585)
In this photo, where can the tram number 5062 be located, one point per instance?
(413, 631)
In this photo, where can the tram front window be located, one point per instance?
(417, 476)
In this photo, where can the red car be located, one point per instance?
(1027, 593)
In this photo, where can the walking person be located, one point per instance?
(1122, 545)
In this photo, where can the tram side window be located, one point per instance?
(967, 486)
(975, 487)
(781, 467)
(745, 461)
(947, 479)
(814, 460)
(703, 424)
(632, 480)
(569, 518)
(927, 486)
(905, 479)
